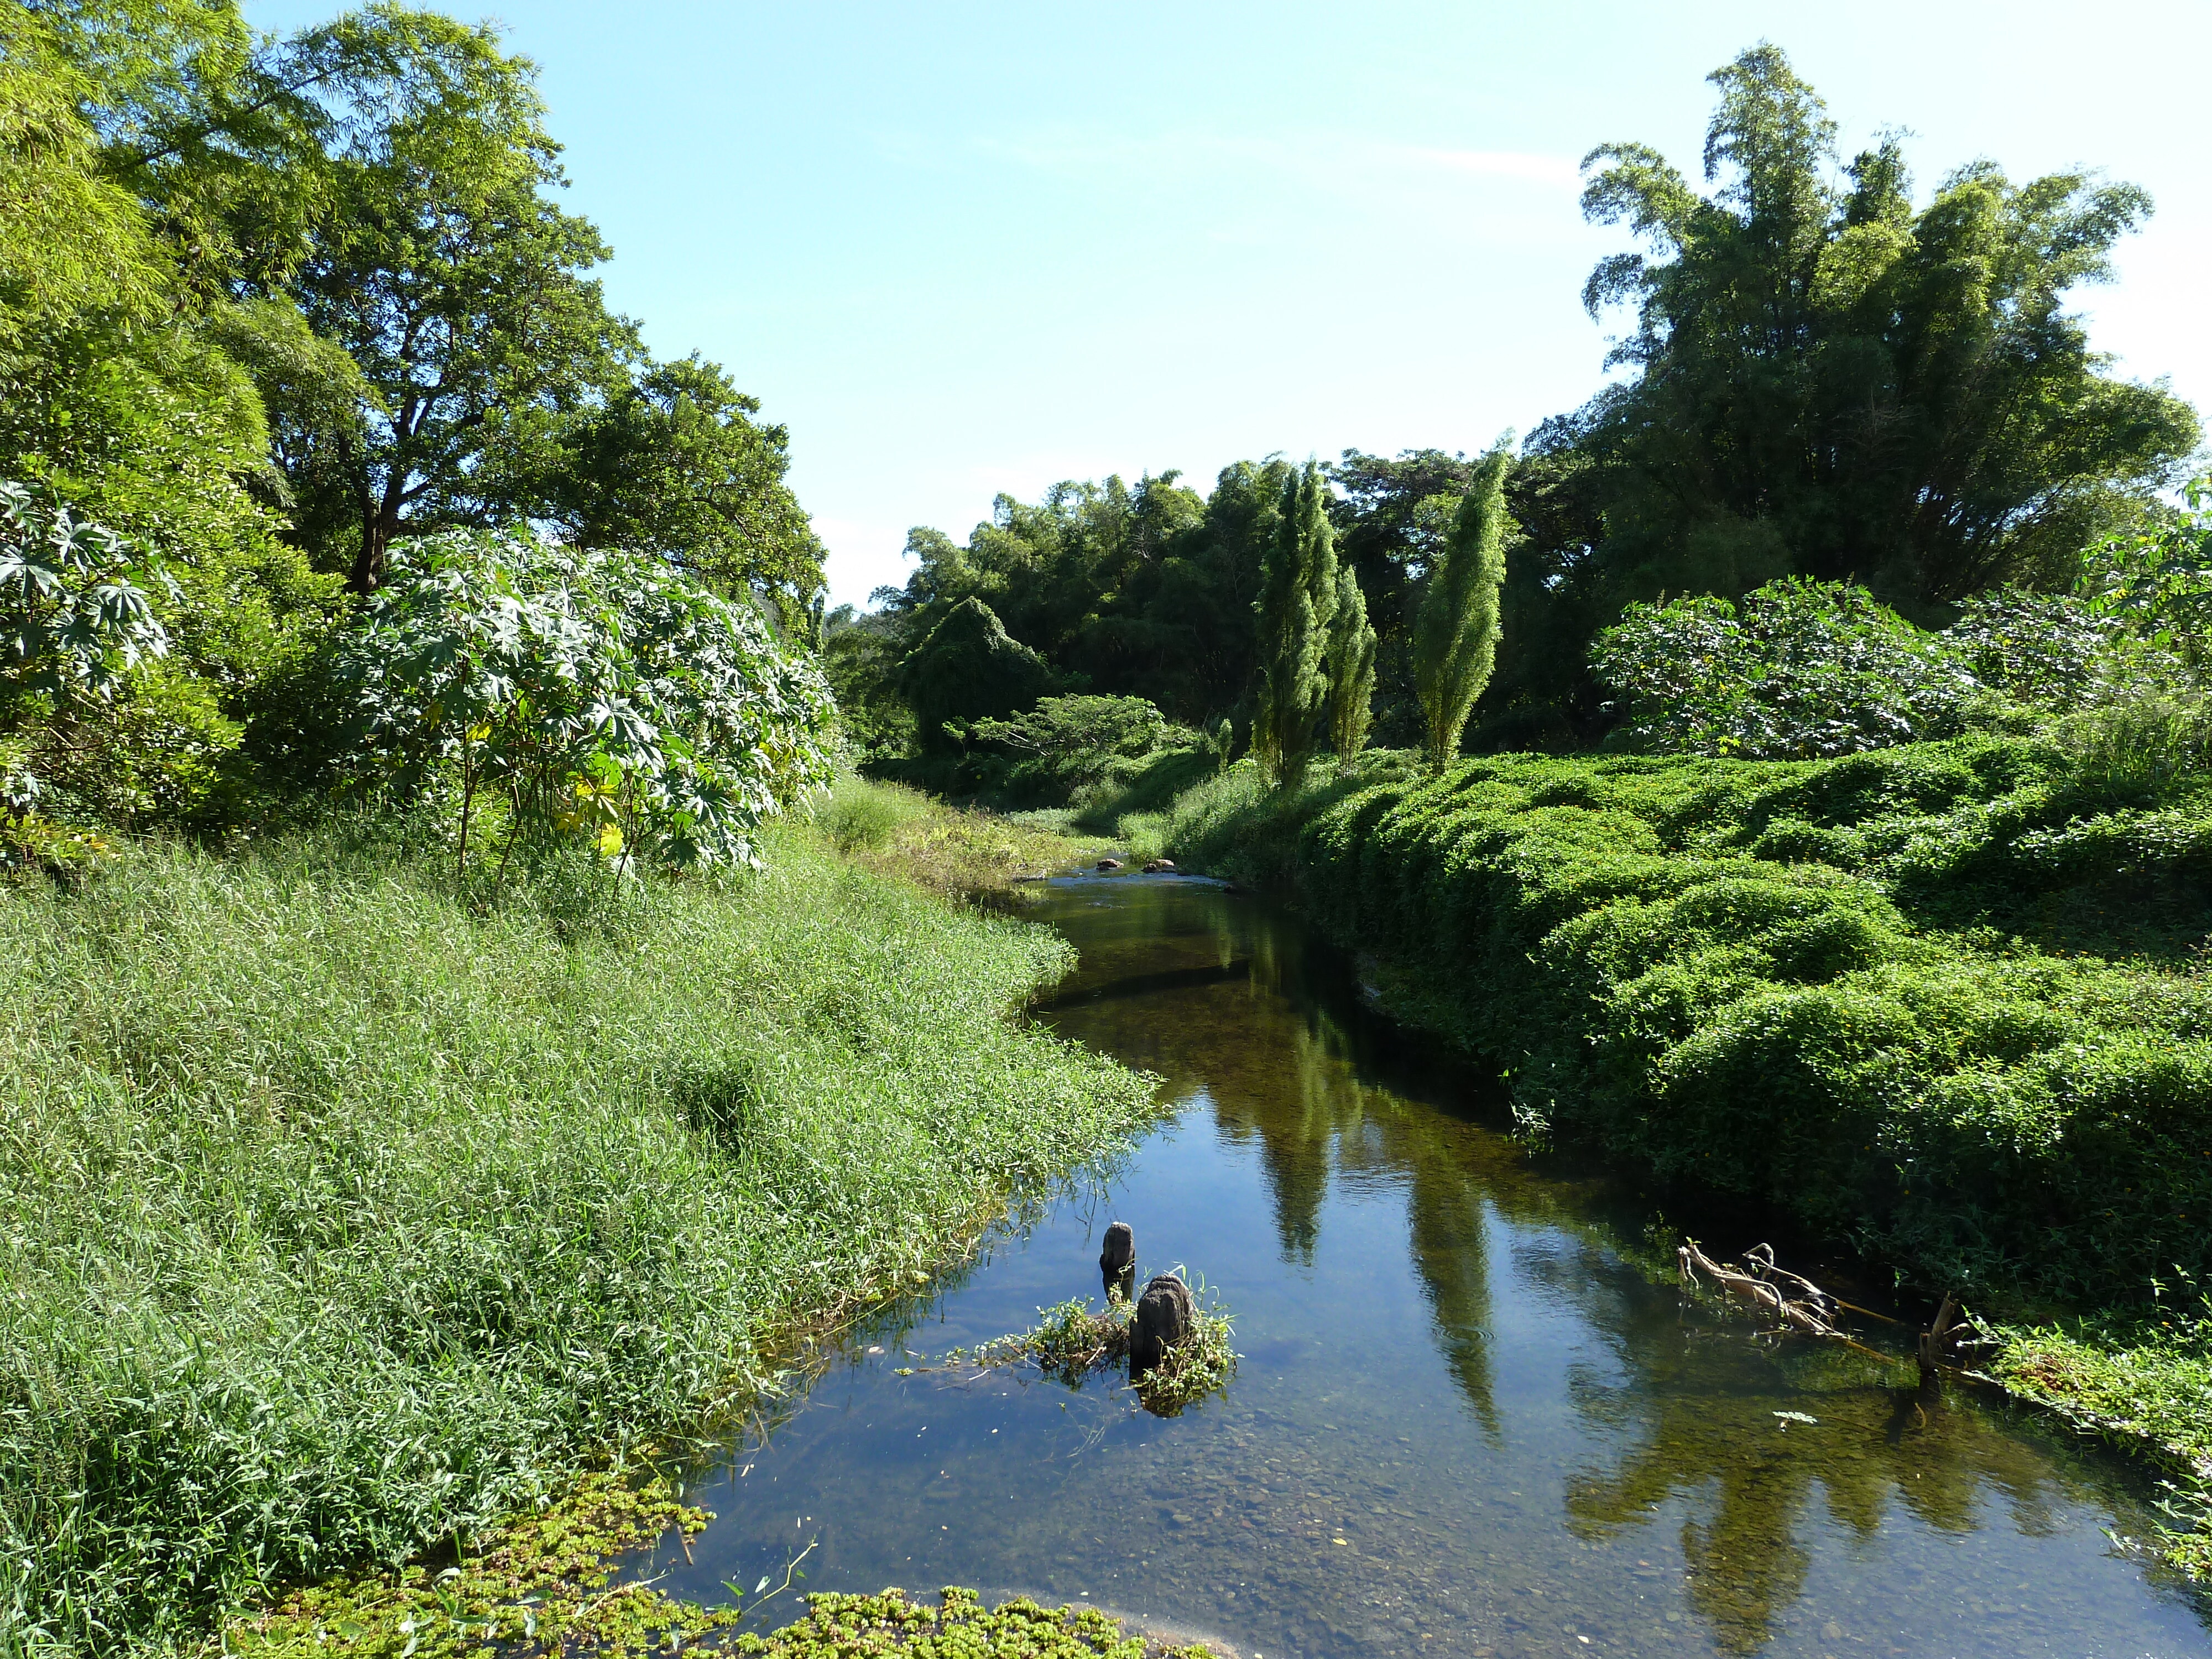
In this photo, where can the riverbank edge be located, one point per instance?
(542, 1578)
(2118, 1394)
(574, 1535)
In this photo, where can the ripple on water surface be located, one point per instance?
(1463, 1423)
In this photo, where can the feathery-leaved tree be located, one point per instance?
(1351, 670)
(1455, 630)
(1298, 602)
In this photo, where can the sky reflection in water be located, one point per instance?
(1463, 1424)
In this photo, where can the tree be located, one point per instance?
(1455, 630)
(1351, 670)
(1831, 383)
(459, 288)
(967, 667)
(1297, 603)
(674, 463)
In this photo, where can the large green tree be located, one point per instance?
(445, 270)
(674, 463)
(1351, 669)
(1830, 380)
(1455, 630)
(1297, 604)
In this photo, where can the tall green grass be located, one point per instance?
(337, 1219)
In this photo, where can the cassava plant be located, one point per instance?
(596, 694)
(77, 615)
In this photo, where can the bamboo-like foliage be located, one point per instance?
(1351, 670)
(1456, 630)
(1298, 602)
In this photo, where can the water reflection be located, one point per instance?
(1466, 1423)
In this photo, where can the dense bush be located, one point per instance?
(1845, 987)
(335, 1218)
(1067, 745)
(1799, 669)
(601, 694)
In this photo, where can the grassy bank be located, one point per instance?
(1939, 1001)
(342, 1219)
(968, 854)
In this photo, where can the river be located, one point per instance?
(1465, 1422)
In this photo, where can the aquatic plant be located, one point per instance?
(1072, 1343)
(541, 1585)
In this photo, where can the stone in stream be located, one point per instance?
(1104, 865)
(1164, 1315)
(1117, 1262)
(1160, 866)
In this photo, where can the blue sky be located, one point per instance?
(962, 249)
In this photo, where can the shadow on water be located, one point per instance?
(1466, 1421)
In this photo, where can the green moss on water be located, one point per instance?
(961, 1628)
(542, 1585)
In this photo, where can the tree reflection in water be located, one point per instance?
(1237, 1009)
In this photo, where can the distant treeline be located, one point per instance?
(1825, 380)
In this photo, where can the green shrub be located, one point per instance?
(1801, 669)
(600, 697)
(1819, 985)
(339, 1217)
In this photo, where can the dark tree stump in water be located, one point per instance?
(1117, 1262)
(1164, 1317)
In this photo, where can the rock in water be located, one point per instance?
(1104, 865)
(1165, 1316)
(1160, 866)
(1117, 1262)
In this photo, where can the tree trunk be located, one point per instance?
(379, 528)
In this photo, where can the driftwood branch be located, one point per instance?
(1792, 1300)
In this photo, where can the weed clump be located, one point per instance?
(839, 1624)
(539, 1587)
(1072, 1343)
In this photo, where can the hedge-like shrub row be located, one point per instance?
(1802, 981)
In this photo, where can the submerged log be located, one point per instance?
(1165, 1316)
(1117, 1262)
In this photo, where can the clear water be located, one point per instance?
(1464, 1423)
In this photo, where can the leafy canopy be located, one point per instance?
(1833, 382)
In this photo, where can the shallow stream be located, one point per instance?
(1465, 1422)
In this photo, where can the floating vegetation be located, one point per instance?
(539, 1586)
(1072, 1342)
(837, 1625)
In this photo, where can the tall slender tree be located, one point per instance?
(1298, 602)
(1455, 630)
(1351, 670)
